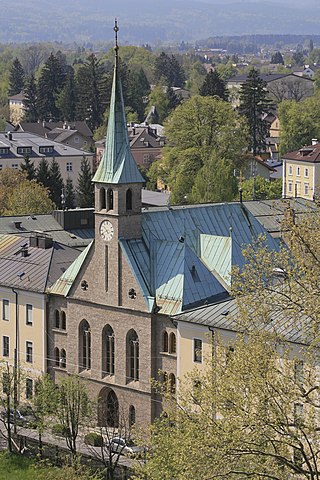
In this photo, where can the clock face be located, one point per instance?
(106, 230)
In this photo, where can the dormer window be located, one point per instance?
(47, 149)
(4, 151)
(24, 150)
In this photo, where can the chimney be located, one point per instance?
(37, 241)
(314, 141)
(9, 135)
(24, 252)
(44, 124)
(17, 224)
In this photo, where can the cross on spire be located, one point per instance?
(116, 30)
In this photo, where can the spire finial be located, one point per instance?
(116, 30)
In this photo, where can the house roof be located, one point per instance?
(223, 316)
(18, 97)
(267, 77)
(308, 154)
(185, 255)
(42, 128)
(38, 269)
(117, 165)
(26, 139)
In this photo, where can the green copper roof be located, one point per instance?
(117, 164)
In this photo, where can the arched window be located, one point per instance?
(63, 358)
(172, 343)
(57, 319)
(132, 415)
(108, 350)
(165, 343)
(110, 199)
(85, 345)
(112, 410)
(102, 199)
(129, 199)
(132, 355)
(63, 320)
(172, 383)
(57, 357)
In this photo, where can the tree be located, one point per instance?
(251, 413)
(67, 98)
(159, 100)
(169, 70)
(50, 84)
(137, 92)
(69, 194)
(29, 168)
(213, 85)
(85, 186)
(93, 91)
(31, 100)
(29, 197)
(260, 188)
(253, 105)
(55, 182)
(43, 405)
(277, 58)
(43, 172)
(16, 78)
(200, 131)
(7, 402)
(72, 409)
(298, 58)
(299, 123)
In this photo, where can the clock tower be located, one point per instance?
(118, 185)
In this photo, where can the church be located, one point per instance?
(112, 312)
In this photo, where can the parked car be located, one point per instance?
(20, 419)
(126, 447)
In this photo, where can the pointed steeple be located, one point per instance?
(117, 165)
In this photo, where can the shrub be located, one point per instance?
(59, 430)
(93, 439)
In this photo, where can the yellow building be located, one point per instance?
(27, 267)
(301, 172)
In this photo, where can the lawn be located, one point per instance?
(17, 467)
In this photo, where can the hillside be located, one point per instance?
(141, 21)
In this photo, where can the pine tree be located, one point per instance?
(67, 98)
(29, 168)
(69, 194)
(31, 100)
(277, 58)
(43, 173)
(50, 84)
(213, 85)
(170, 69)
(16, 78)
(253, 104)
(85, 185)
(137, 91)
(173, 99)
(55, 182)
(93, 92)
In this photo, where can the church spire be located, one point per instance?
(117, 165)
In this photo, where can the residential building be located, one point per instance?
(28, 266)
(76, 134)
(146, 144)
(301, 172)
(280, 86)
(16, 108)
(15, 146)
(142, 267)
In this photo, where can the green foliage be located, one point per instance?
(19, 196)
(59, 430)
(29, 168)
(16, 78)
(253, 104)
(277, 58)
(31, 100)
(70, 195)
(43, 172)
(50, 84)
(93, 89)
(85, 187)
(260, 188)
(55, 182)
(67, 97)
(168, 68)
(298, 58)
(299, 123)
(213, 85)
(94, 439)
(202, 133)
(158, 99)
